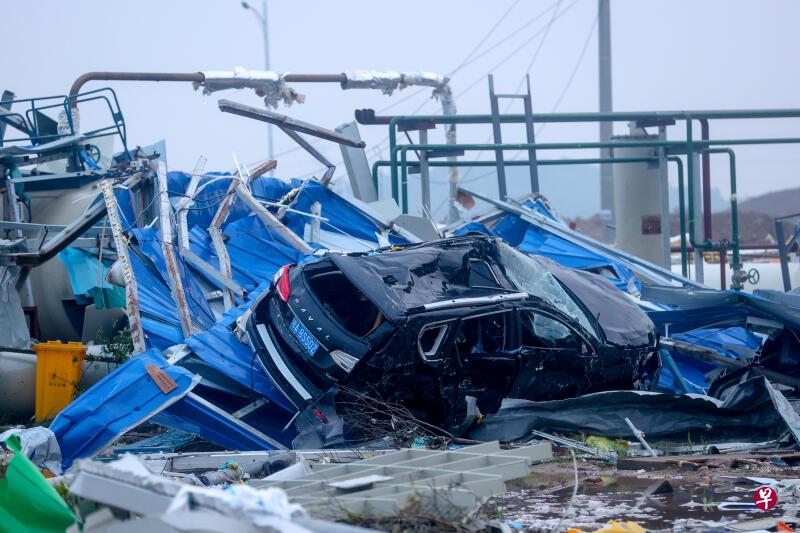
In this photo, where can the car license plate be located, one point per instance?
(306, 339)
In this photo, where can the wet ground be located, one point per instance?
(548, 500)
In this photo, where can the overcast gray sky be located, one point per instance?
(667, 55)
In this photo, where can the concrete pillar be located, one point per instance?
(637, 202)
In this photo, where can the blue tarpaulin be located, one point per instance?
(158, 312)
(232, 375)
(199, 310)
(255, 254)
(200, 417)
(732, 342)
(128, 396)
(341, 216)
(115, 404)
(219, 348)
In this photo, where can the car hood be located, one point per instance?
(621, 320)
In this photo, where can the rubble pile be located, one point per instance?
(328, 361)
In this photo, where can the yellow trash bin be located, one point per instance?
(58, 371)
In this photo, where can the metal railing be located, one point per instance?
(688, 147)
(34, 132)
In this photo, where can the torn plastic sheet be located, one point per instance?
(14, 333)
(267, 84)
(27, 502)
(87, 277)
(750, 411)
(39, 444)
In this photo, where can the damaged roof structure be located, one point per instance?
(277, 314)
(222, 359)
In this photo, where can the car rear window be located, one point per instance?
(345, 302)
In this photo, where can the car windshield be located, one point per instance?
(530, 276)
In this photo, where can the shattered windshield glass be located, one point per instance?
(530, 276)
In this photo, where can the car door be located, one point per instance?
(553, 357)
(485, 353)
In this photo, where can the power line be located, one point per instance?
(512, 34)
(508, 57)
(575, 68)
(466, 60)
(513, 53)
(564, 91)
(572, 74)
(470, 58)
(538, 50)
(524, 77)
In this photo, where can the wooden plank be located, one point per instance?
(131, 287)
(165, 383)
(171, 260)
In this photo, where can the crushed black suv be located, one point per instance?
(428, 325)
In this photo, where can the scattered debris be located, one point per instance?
(318, 357)
(639, 436)
(382, 485)
(27, 501)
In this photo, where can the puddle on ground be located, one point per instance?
(545, 502)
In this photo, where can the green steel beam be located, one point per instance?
(681, 216)
(688, 146)
(586, 161)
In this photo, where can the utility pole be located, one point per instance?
(263, 21)
(606, 128)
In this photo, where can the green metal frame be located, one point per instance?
(399, 160)
(586, 161)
